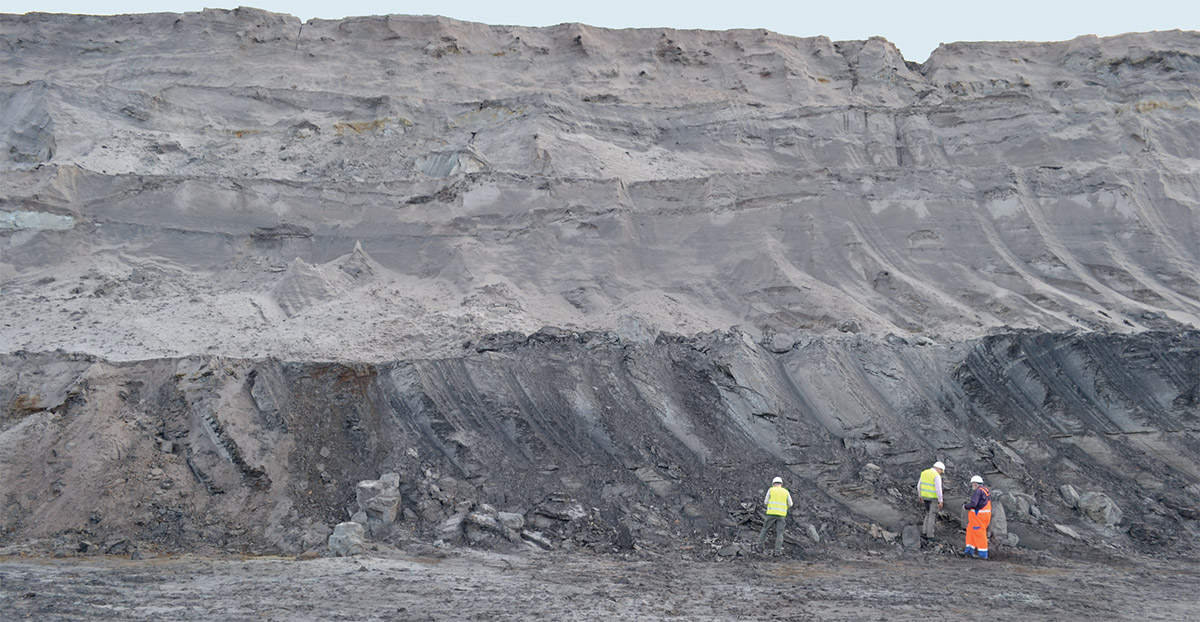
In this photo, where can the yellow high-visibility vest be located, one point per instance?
(928, 487)
(777, 499)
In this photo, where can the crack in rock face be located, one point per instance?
(568, 288)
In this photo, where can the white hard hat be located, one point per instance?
(939, 465)
(777, 480)
(975, 479)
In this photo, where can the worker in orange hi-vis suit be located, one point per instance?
(979, 515)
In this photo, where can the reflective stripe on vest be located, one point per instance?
(777, 501)
(928, 487)
(987, 507)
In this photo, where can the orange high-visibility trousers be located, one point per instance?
(977, 526)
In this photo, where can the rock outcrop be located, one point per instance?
(571, 287)
(584, 441)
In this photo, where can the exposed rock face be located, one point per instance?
(565, 441)
(587, 288)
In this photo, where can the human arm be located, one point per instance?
(937, 485)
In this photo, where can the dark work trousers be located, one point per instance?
(778, 522)
(930, 517)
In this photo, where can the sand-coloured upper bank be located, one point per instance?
(243, 184)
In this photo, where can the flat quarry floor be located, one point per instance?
(473, 585)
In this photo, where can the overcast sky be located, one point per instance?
(915, 26)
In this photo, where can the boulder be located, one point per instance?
(1180, 504)
(1020, 506)
(880, 533)
(474, 534)
(452, 528)
(347, 539)
(1070, 495)
(511, 520)
(118, 546)
(541, 521)
(449, 490)
(911, 536)
(1063, 529)
(998, 528)
(729, 550)
(379, 499)
(482, 520)
(1099, 508)
(429, 510)
(624, 540)
(562, 508)
(537, 539)
(780, 344)
(392, 480)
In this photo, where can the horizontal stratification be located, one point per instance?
(394, 184)
(394, 97)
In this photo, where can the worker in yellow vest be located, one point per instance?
(778, 501)
(930, 490)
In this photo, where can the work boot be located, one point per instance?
(983, 555)
(969, 552)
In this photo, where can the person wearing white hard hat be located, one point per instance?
(979, 516)
(929, 489)
(778, 501)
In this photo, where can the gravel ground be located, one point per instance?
(486, 586)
